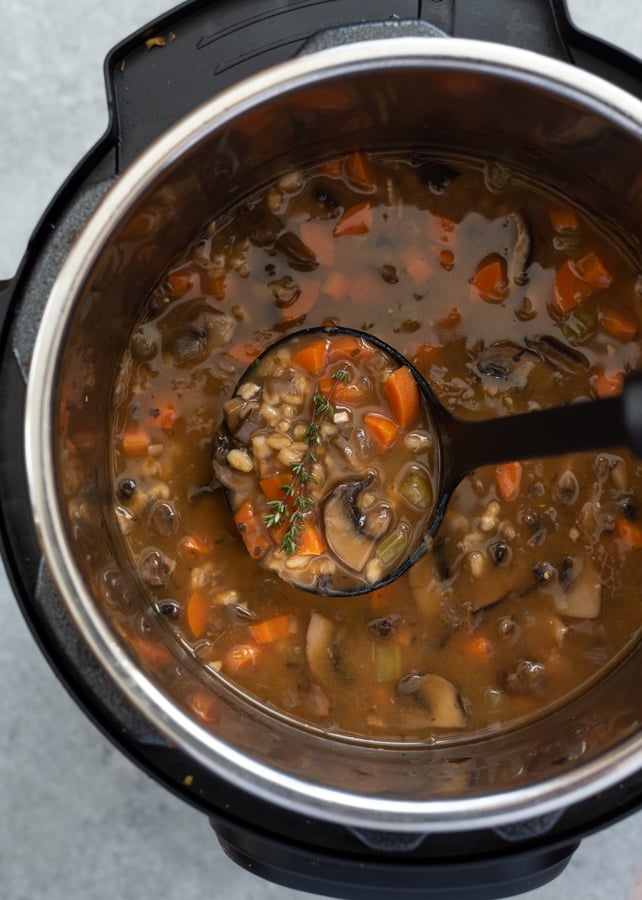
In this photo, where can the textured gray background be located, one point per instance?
(77, 820)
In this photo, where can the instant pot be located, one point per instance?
(208, 103)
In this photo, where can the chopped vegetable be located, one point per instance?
(360, 171)
(181, 282)
(402, 393)
(569, 289)
(508, 478)
(274, 629)
(490, 281)
(253, 531)
(387, 662)
(356, 220)
(197, 613)
(312, 357)
(630, 533)
(136, 442)
(592, 270)
(563, 218)
(383, 430)
(619, 324)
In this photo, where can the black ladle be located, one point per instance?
(465, 445)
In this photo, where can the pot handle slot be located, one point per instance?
(546, 27)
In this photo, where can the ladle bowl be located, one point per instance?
(459, 447)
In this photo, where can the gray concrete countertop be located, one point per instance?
(77, 819)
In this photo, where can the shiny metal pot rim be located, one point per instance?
(350, 807)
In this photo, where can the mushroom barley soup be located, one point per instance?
(506, 298)
(330, 462)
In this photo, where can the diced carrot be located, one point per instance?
(416, 265)
(336, 285)
(152, 651)
(197, 611)
(303, 304)
(318, 237)
(360, 171)
(274, 629)
(348, 393)
(136, 442)
(383, 430)
(309, 540)
(347, 346)
(591, 269)
(181, 281)
(607, 383)
(193, 545)
(475, 648)
(563, 218)
(569, 289)
(508, 477)
(355, 220)
(241, 657)
(253, 530)
(490, 281)
(312, 357)
(630, 533)
(402, 393)
(273, 485)
(203, 704)
(619, 324)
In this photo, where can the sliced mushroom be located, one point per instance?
(520, 253)
(191, 330)
(323, 654)
(575, 586)
(504, 365)
(441, 697)
(581, 595)
(347, 527)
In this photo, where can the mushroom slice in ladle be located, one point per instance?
(350, 533)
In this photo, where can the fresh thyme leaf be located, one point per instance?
(301, 471)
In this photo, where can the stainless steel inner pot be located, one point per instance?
(484, 100)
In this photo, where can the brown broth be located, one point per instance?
(506, 299)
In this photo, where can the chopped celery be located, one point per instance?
(394, 545)
(387, 662)
(416, 489)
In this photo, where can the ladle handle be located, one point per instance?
(586, 425)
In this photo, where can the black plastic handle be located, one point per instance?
(586, 425)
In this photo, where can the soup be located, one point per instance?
(506, 298)
(330, 460)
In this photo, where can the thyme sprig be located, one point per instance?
(294, 504)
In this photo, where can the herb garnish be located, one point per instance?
(295, 503)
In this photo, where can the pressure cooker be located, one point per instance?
(322, 817)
